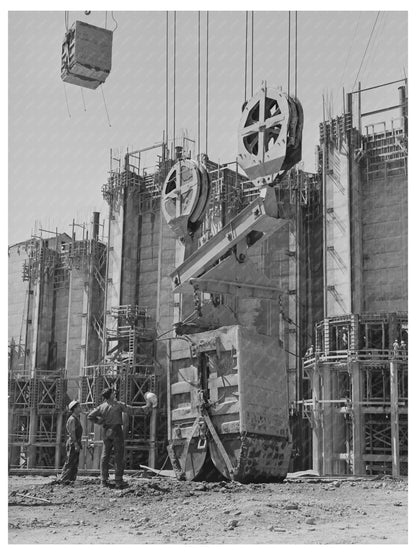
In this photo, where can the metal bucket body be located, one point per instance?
(237, 379)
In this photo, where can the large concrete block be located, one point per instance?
(246, 384)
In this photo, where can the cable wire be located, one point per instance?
(115, 21)
(174, 80)
(296, 54)
(374, 49)
(348, 55)
(366, 48)
(105, 105)
(206, 93)
(252, 52)
(246, 60)
(199, 84)
(288, 59)
(66, 100)
(167, 80)
(83, 100)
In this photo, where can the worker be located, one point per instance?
(73, 444)
(309, 352)
(403, 349)
(396, 347)
(110, 415)
(344, 339)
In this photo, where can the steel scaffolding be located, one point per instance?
(358, 401)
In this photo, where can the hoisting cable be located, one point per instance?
(373, 49)
(83, 100)
(174, 80)
(105, 21)
(296, 54)
(245, 61)
(288, 59)
(105, 105)
(252, 52)
(366, 48)
(206, 93)
(347, 59)
(115, 21)
(66, 100)
(199, 84)
(66, 18)
(167, 81)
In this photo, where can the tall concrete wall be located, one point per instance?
(17, 294)
(384, 240)
(60, 324)
(75, 322)
(338, 256)
(131, 254)
(115, 254)
(45, 324)
(147, 277)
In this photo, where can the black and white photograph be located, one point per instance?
(207, 238)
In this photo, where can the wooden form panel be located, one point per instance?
(86, 55)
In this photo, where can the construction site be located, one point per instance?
(265, 306)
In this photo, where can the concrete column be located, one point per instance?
(75, 341)
(394, 416)
(317, 422)
(168, 391)
(58, 440)
(33, 346)
(152, 450)
(83, 452)
(11, 423)
(31, 454)
(98, 446)
(328, 422)
(357, 420)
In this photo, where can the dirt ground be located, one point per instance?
(161, 510)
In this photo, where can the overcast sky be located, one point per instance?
(59, 153)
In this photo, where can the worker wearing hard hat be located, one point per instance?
(110, 415)
(73, 444)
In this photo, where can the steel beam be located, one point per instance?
(261, 216)
(394, 417)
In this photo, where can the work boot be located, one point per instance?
(121, 485)
(105, 484)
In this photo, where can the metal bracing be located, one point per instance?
(131, 177)
(37, 405)
(362, 393)
(128, 367)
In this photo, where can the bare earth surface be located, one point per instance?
(163, 510)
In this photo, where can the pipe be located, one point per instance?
(95, 225)
(403, 109)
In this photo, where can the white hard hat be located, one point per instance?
(73, 404)
(151, 398)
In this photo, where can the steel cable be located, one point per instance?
(366, 48)
(206, 93)
(199, 84)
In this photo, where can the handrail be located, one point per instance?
(361, 355)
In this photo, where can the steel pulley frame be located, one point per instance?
(185, 196)
(270, 135)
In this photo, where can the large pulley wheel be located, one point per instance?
(270, 135)
(185, 195)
